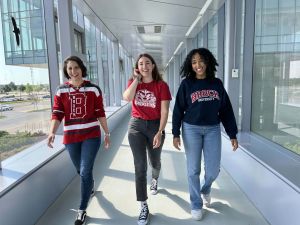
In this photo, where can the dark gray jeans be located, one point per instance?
(140, 135)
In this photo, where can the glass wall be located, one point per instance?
(276, 77)
(91, 50)
(25, 100)
(24, 86)
(200, 39)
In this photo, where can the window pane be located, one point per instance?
(276, 78)
(213, 35)
(24, 80)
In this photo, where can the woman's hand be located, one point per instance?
(106, 141)
(157, 140)
(177, 143)
(234, 144)
(50, 140)
(137, 75)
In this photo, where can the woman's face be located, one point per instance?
(198, 66)
(74, 71)
(145, 66)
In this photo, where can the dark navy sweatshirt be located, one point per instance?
(203, 102)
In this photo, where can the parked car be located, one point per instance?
(6, 107)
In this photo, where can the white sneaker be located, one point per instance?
(206, 199)
(197, 214)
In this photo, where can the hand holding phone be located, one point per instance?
(136, 72)
(137, 75)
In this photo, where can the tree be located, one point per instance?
(21, 88)
(1, 89)
(12, 86)
(6, 88)
(28, 88)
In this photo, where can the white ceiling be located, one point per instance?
(122, 17)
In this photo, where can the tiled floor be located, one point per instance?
(115, 204)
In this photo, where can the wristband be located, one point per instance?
(107, 134)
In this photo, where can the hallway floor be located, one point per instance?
(115, 203)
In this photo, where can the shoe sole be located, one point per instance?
(205, 202)
(146, 222)
(153, 192)
(197, 217)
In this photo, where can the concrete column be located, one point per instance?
(221, 36)
(99, 63)
(110, 74)
(53, 67)
(66, 30)
(171, 77)
(52, 50)
(231, 83)
(117, 75)
(247, 64)
(176, 74)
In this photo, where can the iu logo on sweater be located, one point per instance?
(78, 105)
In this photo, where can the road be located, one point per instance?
(24, 117)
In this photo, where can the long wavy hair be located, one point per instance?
(156, 76)
(208, 58)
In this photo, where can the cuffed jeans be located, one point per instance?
(140, 135)
(83, 156)
(195, 139)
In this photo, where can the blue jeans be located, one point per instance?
(83, 156)
(197, 139)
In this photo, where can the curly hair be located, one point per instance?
(78, 61)
(155, 74)
(208, 58)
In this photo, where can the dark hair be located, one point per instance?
(209, 60)
(78, 61)
(155, 74)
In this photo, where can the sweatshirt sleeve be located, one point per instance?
(99, 107)
(178, 111)
(58, 111)
(227, 116)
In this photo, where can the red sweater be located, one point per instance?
(80, 109)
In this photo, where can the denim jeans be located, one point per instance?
(140, 135)
(197, 139)
(83, 156)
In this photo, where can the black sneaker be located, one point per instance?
(144, 215)
(153, 186)
(80, 219)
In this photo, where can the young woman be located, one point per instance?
(80, 104)
(201, 104)
(150, 97)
